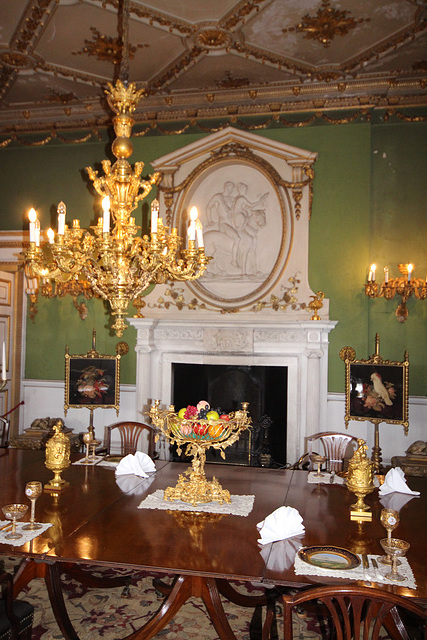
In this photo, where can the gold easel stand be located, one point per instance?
(57, 458)
(219, 434)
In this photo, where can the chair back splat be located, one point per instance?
(130, 434)
(334, 447)
(350, 612)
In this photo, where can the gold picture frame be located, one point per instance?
(376, 390)
(92, 381)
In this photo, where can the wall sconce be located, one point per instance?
(405, 286)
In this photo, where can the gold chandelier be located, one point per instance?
(111, 259)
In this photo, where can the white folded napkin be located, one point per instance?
(139, 464)
(395, 481)
(284, 522)
(281, 555)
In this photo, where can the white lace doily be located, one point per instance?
(26, 535)
(108, 464)
(359, 573)
(90, 463)
(326, 479)
(239, 506)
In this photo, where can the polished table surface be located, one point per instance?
(97, 520)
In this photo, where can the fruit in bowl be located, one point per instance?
(200, 429)
(212, 415)
(215, 429)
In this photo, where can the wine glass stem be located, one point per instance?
(388, 535)
(394, 565)
(13, 525)
(87, 451)
(33, 509)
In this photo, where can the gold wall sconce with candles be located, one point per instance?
(405, 286)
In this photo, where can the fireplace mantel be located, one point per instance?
(301, 346)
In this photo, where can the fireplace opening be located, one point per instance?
(226, 387)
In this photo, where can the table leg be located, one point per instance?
(225, 589)
(30, 569)
(27, 571)
(183, 588)
(56, 597)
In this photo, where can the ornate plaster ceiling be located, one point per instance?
(208, 58)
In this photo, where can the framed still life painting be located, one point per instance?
(92, 381)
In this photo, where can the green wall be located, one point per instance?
(369, 206)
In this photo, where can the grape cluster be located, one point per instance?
(203, 413)
(191, 412)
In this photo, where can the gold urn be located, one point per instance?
(57, 457)
(360, 480)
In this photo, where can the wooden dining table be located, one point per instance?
(96, 521)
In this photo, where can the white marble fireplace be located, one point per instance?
(252, 306)
(302, 347)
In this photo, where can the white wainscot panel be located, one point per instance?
(46, 399)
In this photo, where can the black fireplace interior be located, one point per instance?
(226, 387)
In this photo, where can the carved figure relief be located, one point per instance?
(232, 229)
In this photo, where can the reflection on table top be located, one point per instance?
(97, 520)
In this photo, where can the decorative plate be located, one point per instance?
(329, 557)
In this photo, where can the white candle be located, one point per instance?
(410, 268)
(373, 269)
(192, 228)
(37, 233)
(3, 366)
(62, 210)
(50, 235)
(106, 215)
(32, 215)
(155, 208)
(199, 229)
(386, 275)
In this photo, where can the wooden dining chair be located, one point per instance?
(130, 434)
(4, 433)
(16, 616)
(352, 612)
(334, 445)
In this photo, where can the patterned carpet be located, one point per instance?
(103, 613)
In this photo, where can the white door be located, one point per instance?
(7, 294)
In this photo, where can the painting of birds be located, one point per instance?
(380, 389)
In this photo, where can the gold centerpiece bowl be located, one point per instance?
(195, 436)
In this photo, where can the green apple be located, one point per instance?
(212, 415)
(181, 413)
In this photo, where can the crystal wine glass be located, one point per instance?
(389, 519)
(33, 490)
(394, 548)
(14, 512)
(319, 460)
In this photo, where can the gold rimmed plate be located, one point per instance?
(328, 557)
